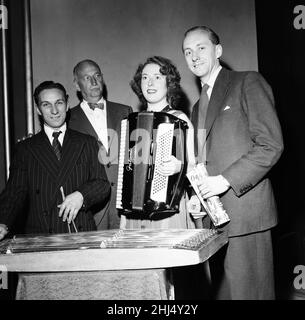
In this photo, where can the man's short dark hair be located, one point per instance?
(48, 85)
(213, 36)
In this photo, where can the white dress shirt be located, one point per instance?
(98, 120)
(211, 83)
(212, 80)
(49, 132)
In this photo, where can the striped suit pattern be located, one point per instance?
(36, 177)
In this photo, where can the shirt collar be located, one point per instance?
(49, 131)
(213, 77)
(86, 106)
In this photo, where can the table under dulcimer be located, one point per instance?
(110, 250)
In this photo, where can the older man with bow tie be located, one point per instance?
(101, 119)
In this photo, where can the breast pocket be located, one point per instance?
(229, 113)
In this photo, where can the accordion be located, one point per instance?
(146, 139)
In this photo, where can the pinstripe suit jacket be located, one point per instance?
(108, 217)
(36, 177)
(243, 140)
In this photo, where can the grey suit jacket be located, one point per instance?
(243, 140)
(108, 217)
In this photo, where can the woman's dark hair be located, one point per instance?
(48, 85)
(168, 69)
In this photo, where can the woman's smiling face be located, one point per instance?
(153, 84)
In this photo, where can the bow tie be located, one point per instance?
(96, 105)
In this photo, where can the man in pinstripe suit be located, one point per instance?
(56, 172)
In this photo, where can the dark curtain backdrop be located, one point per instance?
(2, 149)
(17, 102)
(281, 52)
(16, 80)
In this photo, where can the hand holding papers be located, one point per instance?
(212, 205)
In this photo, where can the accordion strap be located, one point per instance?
(175, 113)
(172, 111)
(166, 109)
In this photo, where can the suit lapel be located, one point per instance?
(71, 150)
(194, 119)
(219, 93)
(43, 152)
(111, 128)
(84, 125)
(83, 122)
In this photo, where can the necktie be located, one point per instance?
(56, 144)
(96, 105)
(202, 112)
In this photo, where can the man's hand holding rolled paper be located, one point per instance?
(213, 185)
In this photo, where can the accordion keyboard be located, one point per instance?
(164, 143)
(121, 164)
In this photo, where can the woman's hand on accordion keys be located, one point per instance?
(170, 166)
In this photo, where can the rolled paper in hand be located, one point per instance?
(212, 205)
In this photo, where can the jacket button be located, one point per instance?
(108, 165)
(45, 213)
(112, 184)
(50, 230)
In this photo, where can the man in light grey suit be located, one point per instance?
(102, 120)
(240, 134)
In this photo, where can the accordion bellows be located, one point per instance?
(146, 139)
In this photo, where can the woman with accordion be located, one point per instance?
(157, 85)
